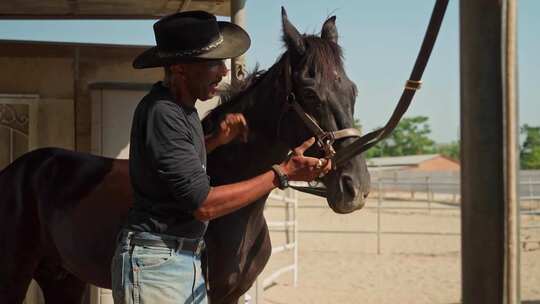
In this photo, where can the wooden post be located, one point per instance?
(238, 17)
(511, 157)
(287, 205)
(258, 292)
(379, 201)
(429, 193)
(295, 252)
(531, 192)
(485, 174)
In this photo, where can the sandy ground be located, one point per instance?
(345, 267)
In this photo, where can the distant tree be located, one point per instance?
(409, 138)
(450, 150)
(375, 151)
(530, 150)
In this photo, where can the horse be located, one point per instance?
(60, 211)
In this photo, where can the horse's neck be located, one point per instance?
(267, 104)
(267, 110)
(263, 148)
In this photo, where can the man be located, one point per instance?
(157, 255)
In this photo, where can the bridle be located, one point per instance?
(326, 139)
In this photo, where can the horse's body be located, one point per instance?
(60, 211)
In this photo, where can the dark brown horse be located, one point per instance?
(60, 210)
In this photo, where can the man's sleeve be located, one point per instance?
(174, 156)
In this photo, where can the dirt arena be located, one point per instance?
(345, 267)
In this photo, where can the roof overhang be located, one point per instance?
(109, 9)
(44, 49)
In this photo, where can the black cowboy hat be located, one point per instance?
(193, 36)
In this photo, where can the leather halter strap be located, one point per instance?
(325, 139)
(369, 140)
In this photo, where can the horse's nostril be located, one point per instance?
(366, 194)
(348, 185)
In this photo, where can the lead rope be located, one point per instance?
(412, 85)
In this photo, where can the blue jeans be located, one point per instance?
(151, 274)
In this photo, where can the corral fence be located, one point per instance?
(288, 200)
(447, 183)
(435, 192)
(431, 193)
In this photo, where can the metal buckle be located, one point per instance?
(414, 85)
(326, 143)
(329, 150)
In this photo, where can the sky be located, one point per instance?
(380, 40)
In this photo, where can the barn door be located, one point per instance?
(18, 135)
(18, 126)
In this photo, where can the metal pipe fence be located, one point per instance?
(289, 201)
(424, 192)
(428, 193)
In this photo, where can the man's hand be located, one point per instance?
(304, 168)
(234, 125)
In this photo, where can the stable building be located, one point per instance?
(70, 95)
(81, 96)
(418, 163)
(74, 96)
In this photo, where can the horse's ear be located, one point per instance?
(291, 36)
(329, 30)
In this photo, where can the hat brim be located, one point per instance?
(235, 43)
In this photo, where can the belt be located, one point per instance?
(192, 245)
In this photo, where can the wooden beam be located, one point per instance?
(511, 146)
(486, 172)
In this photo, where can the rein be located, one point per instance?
(325, 139)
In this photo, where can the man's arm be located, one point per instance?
(225, 199)
(211, 142)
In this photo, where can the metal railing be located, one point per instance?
(424, 193)
(289, 201)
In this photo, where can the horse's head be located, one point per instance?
(318, 81)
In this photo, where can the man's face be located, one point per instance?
(202, 78)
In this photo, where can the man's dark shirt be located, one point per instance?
(167, 166)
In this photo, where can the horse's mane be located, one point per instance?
(230, 97)
(325, 57)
